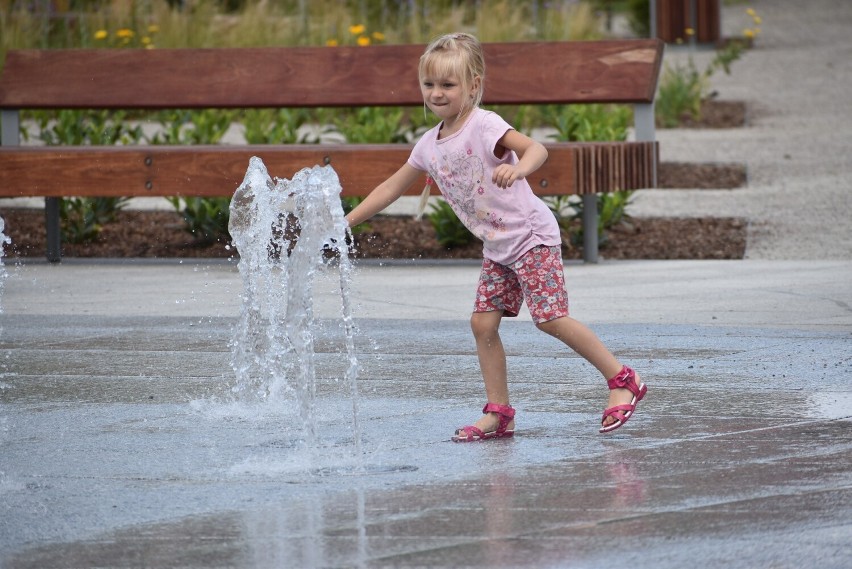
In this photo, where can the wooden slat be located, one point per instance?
(133, 171)
(623, 71)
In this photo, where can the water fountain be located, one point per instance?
(286, 231)
(4, 240)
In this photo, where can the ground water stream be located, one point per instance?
(286, 232)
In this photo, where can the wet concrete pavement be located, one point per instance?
(120, 448)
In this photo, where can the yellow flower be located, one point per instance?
(689, 31)
(378, 36)
(331, 43)
(749, 33)
(751, 12)
(757, 20)
(149, 46)
(146, 40)
(124, 33)
(153, 29)
(363, 40)
(101, 35)
(357, 30)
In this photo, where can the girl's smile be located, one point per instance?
(446, 97)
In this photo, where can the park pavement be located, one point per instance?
(122, 447)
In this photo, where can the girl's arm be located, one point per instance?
(384, 194)
(531, 156)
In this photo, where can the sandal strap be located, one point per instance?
(503, 410)
(505, 414)
(625, 379)
(472, 432)
(618, 411)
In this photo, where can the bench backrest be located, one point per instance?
(623, 71)
(534, 72)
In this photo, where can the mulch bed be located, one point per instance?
(709, 176)
(160, 234)
(718, 114)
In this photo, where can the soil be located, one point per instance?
(161, 234)
(709, 176)
(717, 114)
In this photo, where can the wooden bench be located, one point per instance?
(622, 71)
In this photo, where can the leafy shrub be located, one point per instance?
(78, 223)
(83, 127)
(449, 230)
(205, 218)
(580, 123)
(588, 123)
(683, 86)
(369, 124)
(612, 210)
(276, 126)
(83, 218)
(206, 126)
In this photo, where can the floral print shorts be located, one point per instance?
(537, 277)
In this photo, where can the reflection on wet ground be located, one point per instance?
(119, 449)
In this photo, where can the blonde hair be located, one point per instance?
(455, 55)
(458, 55)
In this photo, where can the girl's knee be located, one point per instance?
(555, 328)
(484, 324)
(546, 327)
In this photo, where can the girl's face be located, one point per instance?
(446, 97)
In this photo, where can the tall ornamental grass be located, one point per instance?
(252, 23)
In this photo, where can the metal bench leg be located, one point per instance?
(590, 228)
(54, 236)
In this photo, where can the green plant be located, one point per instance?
(449, 230)
(84, 218)
(78, 127)
(370, 124)
(612, 210)
(205, 218)
(639, 17)
(587, 122)
(205, 126)
(79, 221)
(276, 126)
(683, 86)
(680, 93)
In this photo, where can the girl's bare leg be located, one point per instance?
(492, 362)
(579, 338)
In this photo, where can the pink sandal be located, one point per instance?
(470, 433)
(625, 379)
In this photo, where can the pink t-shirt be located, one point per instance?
(509, 221)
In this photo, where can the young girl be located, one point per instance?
(480, 163)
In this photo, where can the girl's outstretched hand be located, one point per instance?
(506, 174)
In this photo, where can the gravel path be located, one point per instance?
(798, 144)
